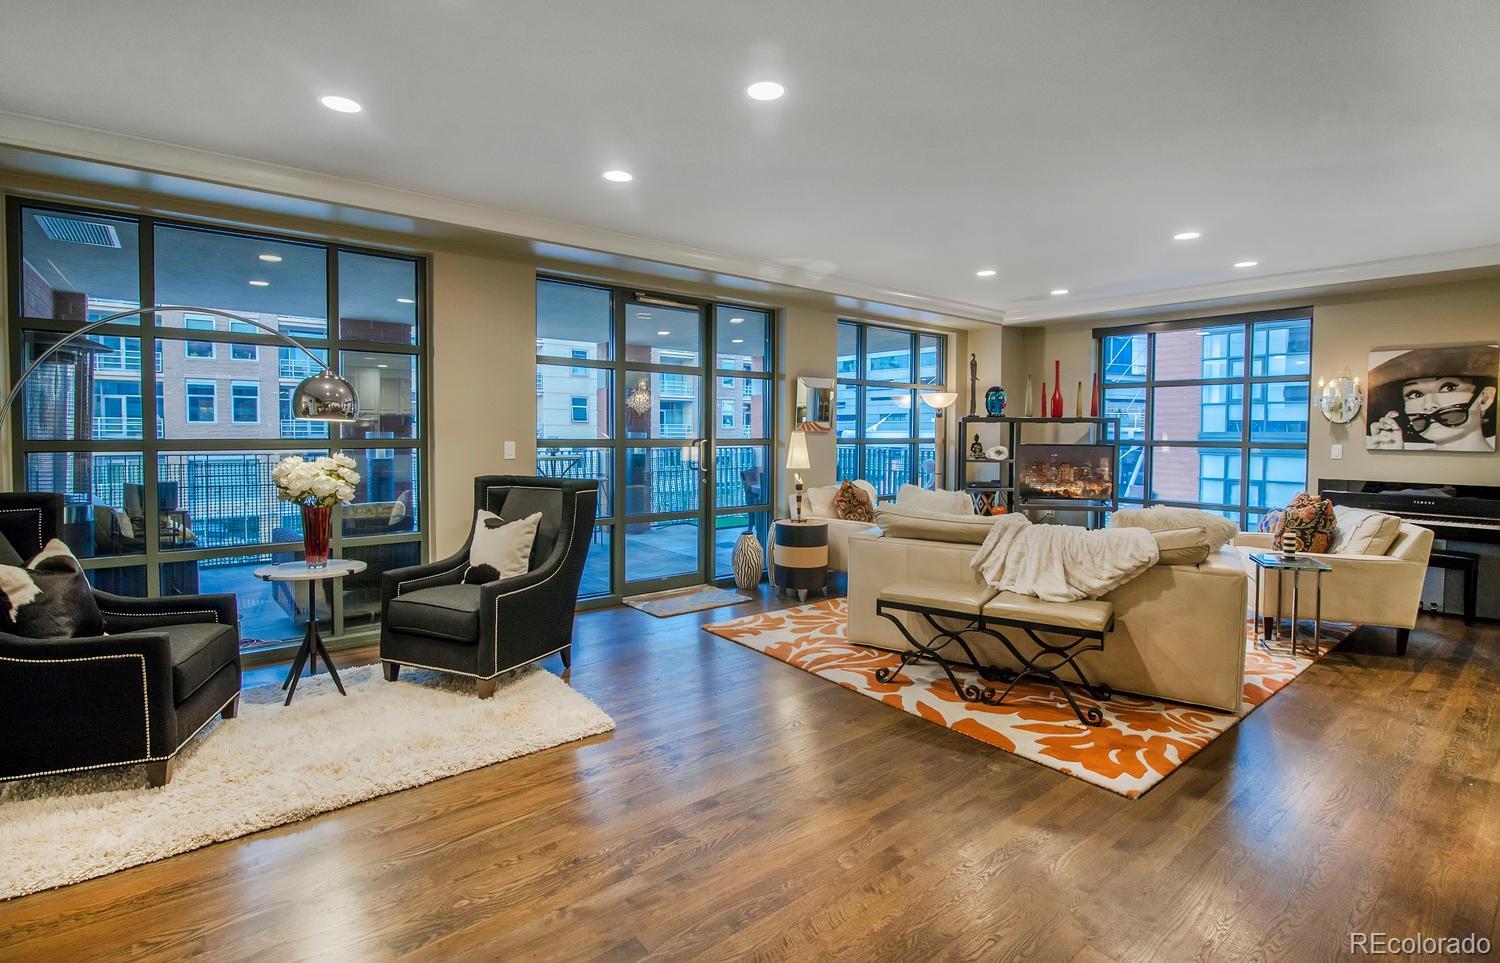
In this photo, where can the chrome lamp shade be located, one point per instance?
(325, 397)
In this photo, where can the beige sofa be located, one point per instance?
(1179, 629)
(1364, 589)
(818, 503)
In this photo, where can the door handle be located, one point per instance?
(703, 457)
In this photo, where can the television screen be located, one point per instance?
(1066, 473)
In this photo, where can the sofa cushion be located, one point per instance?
(1359, 531)
(1164, 518)
(443, 612)
(1181, 546)
(852, 504)
(900, 522)
(929, 500)
(197, 649)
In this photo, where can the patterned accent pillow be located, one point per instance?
(852, 504)
(1312, 519)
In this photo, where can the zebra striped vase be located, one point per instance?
(748, 560)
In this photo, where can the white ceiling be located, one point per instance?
(1061, 143)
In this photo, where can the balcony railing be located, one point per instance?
(673, 483)
(303, 428)
(116, 426)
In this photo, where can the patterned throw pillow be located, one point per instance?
(852, 504)
(1312, 519)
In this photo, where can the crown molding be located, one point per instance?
(1390, 272)
(159, 157)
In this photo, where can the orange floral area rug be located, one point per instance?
(1141, 742)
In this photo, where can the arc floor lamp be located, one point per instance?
(325, 396)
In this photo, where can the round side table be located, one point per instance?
(799, 556)
(312, 643)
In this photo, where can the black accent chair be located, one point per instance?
(430, 619)
(134, 696)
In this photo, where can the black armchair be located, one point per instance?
(430, 619)
(136, 695)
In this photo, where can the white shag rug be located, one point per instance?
(276, 764)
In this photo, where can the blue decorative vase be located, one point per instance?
(994, 402)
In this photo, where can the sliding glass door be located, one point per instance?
(667, 402)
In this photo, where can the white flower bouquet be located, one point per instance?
(326, 481)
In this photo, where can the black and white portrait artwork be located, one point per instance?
(1437, 398)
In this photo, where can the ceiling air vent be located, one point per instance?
(74, 231)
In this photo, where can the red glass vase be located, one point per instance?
(317, 523)
(1094, 401)
(1057, 388)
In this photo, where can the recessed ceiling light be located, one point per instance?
(261, 284)
(765, 90)
(662, 334)
(271, 258)
(382, 366)
(1187, 236)
(1245, 264)
(1059, 291)
(985, 273)
(736, 320)
(405, 301)
(341, 104)
(619, 177)
(643, 315)
(736, 340)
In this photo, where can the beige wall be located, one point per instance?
(1345, 329)
(483, 365)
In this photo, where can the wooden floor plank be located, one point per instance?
(745, 809)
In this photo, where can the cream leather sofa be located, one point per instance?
(1179, 629)
(1363, 589)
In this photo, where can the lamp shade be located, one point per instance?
(796, 452)
(939, 399)
(325, 397)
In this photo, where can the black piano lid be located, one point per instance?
(1409, 489)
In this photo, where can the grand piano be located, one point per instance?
(1457, 514)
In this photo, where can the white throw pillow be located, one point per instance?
(927, 500)
(1360, 531)
(818, 502)
(504, 547)
(1162, 518)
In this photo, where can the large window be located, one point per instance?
(1213, 412)
(886, 435)
(175, 497)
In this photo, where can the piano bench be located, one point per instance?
(1468, 563)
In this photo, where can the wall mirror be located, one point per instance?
(814, 404)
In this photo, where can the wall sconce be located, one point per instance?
(1339, 398)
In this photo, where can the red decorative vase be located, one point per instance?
(1057, 388)
(317, 521)
(1094, 401)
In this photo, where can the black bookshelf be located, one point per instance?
(1005, 487)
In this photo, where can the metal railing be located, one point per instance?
(670, 481)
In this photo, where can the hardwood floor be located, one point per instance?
(744, 808)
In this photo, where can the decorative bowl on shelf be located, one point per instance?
(997, 453)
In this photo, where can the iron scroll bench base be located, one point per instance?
(1044, 665)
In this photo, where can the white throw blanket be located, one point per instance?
(1062, 563)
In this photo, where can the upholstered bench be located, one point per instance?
(1061, 631)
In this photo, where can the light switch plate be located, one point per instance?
(510, 449)
(1335, 452)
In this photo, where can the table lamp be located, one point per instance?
(796, 459)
